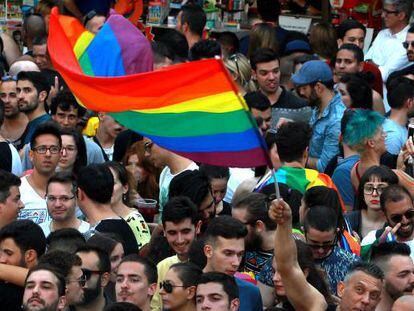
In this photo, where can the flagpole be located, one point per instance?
(277, 191)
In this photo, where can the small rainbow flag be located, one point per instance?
(192, 109)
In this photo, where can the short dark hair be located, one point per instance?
(393, 193)
(347, 25)
(299, 133)
(384, 251)
(104, 263)
(97, 181)
(226, 281)
(367, 268)
(263, 55)
(321, 218)
(105, 241)
(187, 272)
(48, 127)
(67, 239)
(357, 51)
(63, 178)
(38, 80)
(381, 172)
(225, 227)
(205, 49)
(257, 209)
(411, 29)
(322, 195)
(213, 171)
(195, 17)
(7, 180)
(61, 286)
(176, 43)
(192, 184)
(26, 235)
(179, 208)
(65, 100)
(61, 260)
(400, 89)
(359, 90)
(257, 100)
(150, 269)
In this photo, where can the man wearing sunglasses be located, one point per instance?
(408, 45)
(321, 233)
(397, 205)
(96, 268)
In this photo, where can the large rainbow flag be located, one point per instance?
(192, 109)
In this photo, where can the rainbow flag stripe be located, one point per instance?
(192, 109)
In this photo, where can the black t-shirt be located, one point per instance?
(6, 158)
(290, 106)
(121, 228)
(11, 296)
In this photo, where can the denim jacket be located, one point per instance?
(326, 131)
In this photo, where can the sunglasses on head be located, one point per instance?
(398, 218)
(8, 78)
(168, 287)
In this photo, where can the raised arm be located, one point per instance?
(13, 274)
(302, 295)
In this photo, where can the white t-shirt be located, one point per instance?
(165, 179)
(35, 207)
(46, 226)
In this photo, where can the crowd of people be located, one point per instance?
(78, 226)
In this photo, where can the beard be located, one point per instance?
(410, 56)
(396, 293)
(90, 294)
(51, 307)
(254, 243)
(314, 101)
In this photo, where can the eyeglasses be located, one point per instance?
(398, 218)
(88, 273)
(168, 287)
(368, 189)
(147, 146)
(8, 78)
(387, 12)
(69, 149)
(63, 199)
(82, 281)
(44, 149)
(325, 246)
(407, 44)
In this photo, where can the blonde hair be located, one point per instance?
(262, 35)
(239, 66)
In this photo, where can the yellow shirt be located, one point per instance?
(140, 228)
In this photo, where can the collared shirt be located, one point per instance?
(387, 51)
(326, 129)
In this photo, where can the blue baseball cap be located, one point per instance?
(312, 71)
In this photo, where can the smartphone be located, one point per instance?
(410, 129)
